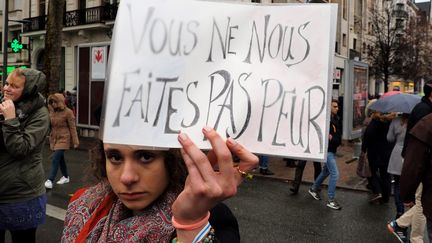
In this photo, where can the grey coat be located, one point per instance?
(21, 143)
(396, 133)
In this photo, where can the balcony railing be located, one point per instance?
(77, 17)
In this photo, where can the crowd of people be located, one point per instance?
(398, 149)
(175, 195)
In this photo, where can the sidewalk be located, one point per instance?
(346, 164)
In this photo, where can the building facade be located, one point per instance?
(87, 32)
(18, 53)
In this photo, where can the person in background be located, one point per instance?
(24, 124)
(378, 150)
(330, 167)
(160, 196)
(414, 216)
(301, 164)
(417, 168)
(396, 135)
(263, 165)
(291, 163)
(419, 111)
(63, 135)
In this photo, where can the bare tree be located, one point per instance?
(415, 60)
(53, 46)
(385, 42)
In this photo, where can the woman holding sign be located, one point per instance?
(160, 196)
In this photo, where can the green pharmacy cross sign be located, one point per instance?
(16, 45)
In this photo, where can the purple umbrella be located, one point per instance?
(396, 103)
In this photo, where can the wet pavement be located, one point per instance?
(345, 160)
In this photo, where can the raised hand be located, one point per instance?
(7, 108)
(204, 186)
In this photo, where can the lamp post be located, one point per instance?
(5, 39)
(6, 21)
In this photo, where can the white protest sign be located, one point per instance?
(260, 74)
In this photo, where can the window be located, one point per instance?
(344, 42)
(82, 4)
(399, 23)
(344, 9)
(355, 44)
(42, 7)
(256, 1)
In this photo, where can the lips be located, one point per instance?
(131, 195)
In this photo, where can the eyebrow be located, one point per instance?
(111, 150)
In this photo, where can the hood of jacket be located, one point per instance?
(423, 130)
(57, 98)
(35, 82)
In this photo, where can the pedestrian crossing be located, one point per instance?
(55, 212)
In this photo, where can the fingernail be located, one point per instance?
(231, 141)
(207, 129)
(182, 137)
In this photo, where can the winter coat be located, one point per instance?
(21, 142)
(336, 132)
(420, 110)
(418, 165)
(375, 142)
(63, 129)
(396, 134)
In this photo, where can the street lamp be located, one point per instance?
(6, 21)
(5, 38)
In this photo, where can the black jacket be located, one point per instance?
(336, 132)
(225, 224)
(420, 110)
(375, 142)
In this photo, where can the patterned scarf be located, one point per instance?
(97, 215)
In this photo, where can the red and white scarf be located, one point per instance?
(97, 215)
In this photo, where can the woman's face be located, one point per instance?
(138, 177)
(14, 87)
(53, 104)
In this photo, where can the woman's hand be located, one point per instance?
(204, 186)
(7, 108)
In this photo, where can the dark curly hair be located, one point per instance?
(173, 162)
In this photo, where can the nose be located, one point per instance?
(129, 173)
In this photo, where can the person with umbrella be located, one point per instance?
(423, 108)
(378, 151)
(396, 134)
(401, 103)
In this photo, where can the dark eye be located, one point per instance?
(114, 157)
(144, 156)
